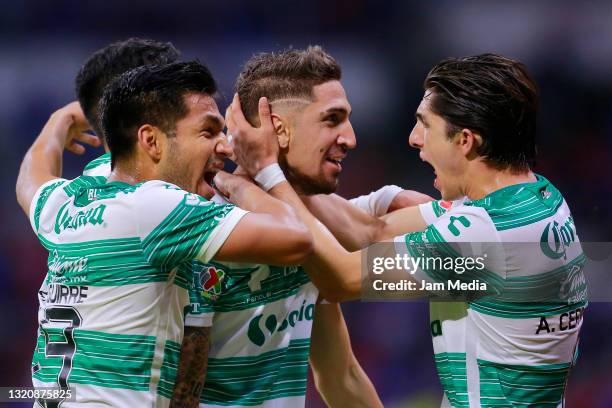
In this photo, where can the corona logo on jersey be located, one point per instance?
(211, 279)
(79, 219)
(258, 334)
(555, 238)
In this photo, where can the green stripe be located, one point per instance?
(437, 208)
(110, 262)
(430, 245)
(531, 296)
(42, 200)
(521, 204)
(104, 159)
(453, 377)
(169, 369)
(101, 359)
(517, 385)
(182, 234)
(253, 380)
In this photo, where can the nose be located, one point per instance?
(347, 138)
(223, 147)
(416, 136)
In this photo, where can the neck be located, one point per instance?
(484, 180)
(129, 173)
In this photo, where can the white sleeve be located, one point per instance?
(377, 202)
(176, 226)
(40, 198)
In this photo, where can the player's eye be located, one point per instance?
(207, 133)
(332, 120)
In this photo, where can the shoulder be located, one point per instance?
(100, 166)
(430, 211)
(459, 224)
(46, 195)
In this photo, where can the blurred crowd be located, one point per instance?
(385, 52)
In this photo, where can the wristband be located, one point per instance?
(377, 202)
(270, 176)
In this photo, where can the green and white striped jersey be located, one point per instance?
(100, 167)
(261, 319)
(260, 338)
(113, 301)
(515, 348)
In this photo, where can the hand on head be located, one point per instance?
(73, 117)
(254, 148)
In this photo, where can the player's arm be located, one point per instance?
(356, 229)
(271, 233)
(338, 376)
(43, 161)
(191, 371)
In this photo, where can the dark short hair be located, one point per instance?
(494, 96)
(290, 73)
(107, 63)
(150, 94)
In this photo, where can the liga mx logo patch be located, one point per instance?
(211, 280)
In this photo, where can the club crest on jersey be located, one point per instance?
(211, 279)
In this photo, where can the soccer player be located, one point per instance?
(476, 127)
(342, 371)
(98, 70)
(111, 305)
(96, 73)
(263, 314)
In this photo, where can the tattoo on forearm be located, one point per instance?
(192, 368)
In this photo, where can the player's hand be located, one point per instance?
(72, 118)
(228, 183)
(254, 148)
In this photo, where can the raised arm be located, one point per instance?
(356, 229)
(272, 233)
(43, 161)
(338, 376)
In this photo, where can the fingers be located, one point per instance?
(220, 182)
(78, 117)
(229, 120)
(88, 139)
(237, 115)
(265, 117)
(85, 138)
(75, 148)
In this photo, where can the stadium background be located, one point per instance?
(385, 52)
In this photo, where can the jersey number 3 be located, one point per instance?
(68, 318)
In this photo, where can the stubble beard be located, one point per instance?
(303, 184)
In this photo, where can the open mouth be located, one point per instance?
(209, 176)
(436, 182)
(336, 162)
(205, 187)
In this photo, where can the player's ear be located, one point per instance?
(151, 141)
(468, 141)
(282, 129)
